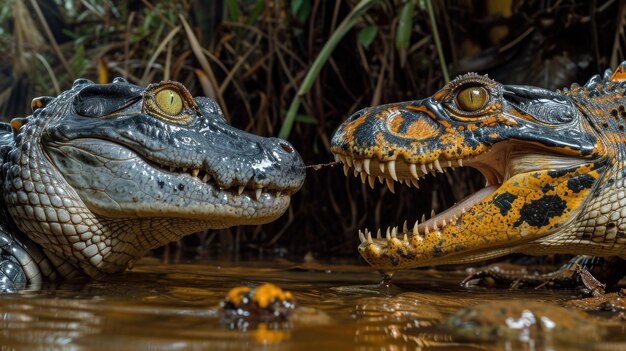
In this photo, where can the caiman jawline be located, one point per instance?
(235, 190)
(497, 166)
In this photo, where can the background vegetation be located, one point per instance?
(298, 68)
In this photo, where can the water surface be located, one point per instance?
(175, 307)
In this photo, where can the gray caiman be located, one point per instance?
(554, 163)
(101, 174)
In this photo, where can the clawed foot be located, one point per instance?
(579, 272)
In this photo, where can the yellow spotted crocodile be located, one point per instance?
(554, 164)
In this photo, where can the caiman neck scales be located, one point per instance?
(553, 163)
(101, 174)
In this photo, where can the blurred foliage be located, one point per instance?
(253, 56)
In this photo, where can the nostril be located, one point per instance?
(286, 147)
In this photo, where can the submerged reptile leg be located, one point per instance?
(12, 276)
(607, 270)
(22, 263)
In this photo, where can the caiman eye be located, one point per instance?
(472, 98)
(169, 101)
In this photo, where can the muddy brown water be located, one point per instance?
(175, 307)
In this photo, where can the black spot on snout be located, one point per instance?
(181, 187)
(161, 184)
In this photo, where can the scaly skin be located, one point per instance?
(554, 164)
(101, 174)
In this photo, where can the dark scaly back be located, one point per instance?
(603, 102)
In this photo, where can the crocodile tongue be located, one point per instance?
(457, 210)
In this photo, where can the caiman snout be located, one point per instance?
(283, 163)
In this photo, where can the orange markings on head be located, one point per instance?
(421, 130)
(422, 109)
(394, 122)
(440, 94)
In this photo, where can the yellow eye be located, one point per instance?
(471, 99)
(169, 101)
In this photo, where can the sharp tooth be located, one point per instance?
(206, 178)
(414, 182)
(337, 159)
(432, 213)
(371, 180)
(378, 234)
(355, 173)
(460, 162)
(278, 193)
(349, 161)
(415, 232)
(172, 169)
(185, 169)
(423, 217)
(406, 238)
(390, 185)
(194, 172)
(366, 165)
(346, 169)
(361, 236)
(369, 238)
(363, 177)
(394, 232)
(342, 158)
(413, 169)
(423, 169)
(449, 163)
(258, 192)
(388, 234)
(391, 165)
(381, 165)
(357, 165)
(405, 228)
(240, 190)
(381, 179)
(426, 230)
(438, 166)
(430, 166)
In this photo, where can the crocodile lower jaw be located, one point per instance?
(497, 166)
(409, 174)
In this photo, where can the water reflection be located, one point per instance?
(175, 307)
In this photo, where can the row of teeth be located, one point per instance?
(206, 178)
(362, 168)
(392, 232)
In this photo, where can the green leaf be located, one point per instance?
(311, 75)
(405, 25)
(79, 64)
(233, 10)
(256, 11)
(367, 35)
(295, 6)
(303, 9)
(306, 119)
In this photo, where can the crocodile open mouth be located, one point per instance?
(498, 165)
(389, 172)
